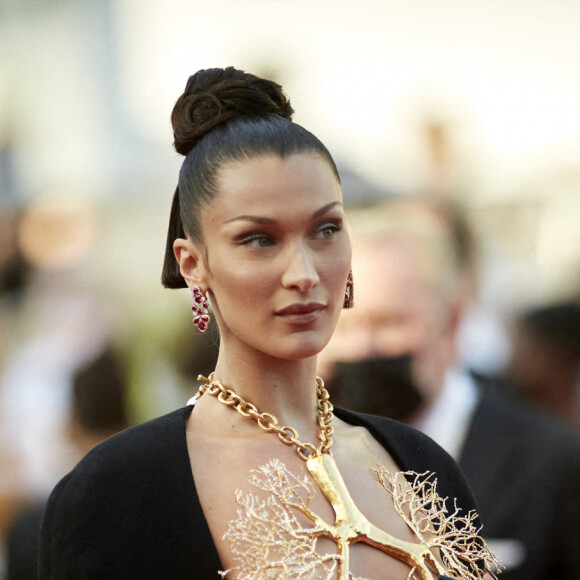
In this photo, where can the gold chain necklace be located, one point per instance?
(268, 423)
(350, 525)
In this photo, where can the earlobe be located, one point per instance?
(190, 262)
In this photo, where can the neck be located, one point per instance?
(285, 389)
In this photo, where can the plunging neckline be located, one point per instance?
(206, 538)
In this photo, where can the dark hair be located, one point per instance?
(225, 115)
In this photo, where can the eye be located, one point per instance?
(256, 241)
(327, 231)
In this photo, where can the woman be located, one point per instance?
(257, 230)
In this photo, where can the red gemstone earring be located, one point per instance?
(200, 309)
(349, 292)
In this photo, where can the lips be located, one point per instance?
(301, 313)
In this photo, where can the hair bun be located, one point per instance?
(213, 96)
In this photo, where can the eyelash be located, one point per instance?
(247, 240)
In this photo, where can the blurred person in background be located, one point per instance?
(54, 320)
(396, 353)
(99, 410)
(256, 230)
(544, 364)
(58, 320)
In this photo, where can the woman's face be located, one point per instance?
(276, 254)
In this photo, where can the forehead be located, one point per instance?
(270, 183)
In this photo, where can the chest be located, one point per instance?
(266, 508)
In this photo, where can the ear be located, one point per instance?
(191, 264)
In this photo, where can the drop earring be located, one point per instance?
(349, 292)
(200, 309)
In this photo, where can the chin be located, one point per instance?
(304, 348)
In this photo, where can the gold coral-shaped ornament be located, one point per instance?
(454, 534)
(269, 541)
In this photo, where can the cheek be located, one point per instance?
(241, 289)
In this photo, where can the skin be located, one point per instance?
(274, 242)
(274, 262)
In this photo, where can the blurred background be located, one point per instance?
(473, 101)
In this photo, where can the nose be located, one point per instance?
(300, 272)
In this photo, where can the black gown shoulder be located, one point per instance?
(129, 509)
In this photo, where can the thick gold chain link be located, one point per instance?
(269, 423)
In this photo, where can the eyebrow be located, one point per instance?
(264, 220)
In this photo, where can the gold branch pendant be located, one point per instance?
(352, 526)
(268, 539)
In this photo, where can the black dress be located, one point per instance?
(130, 509)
